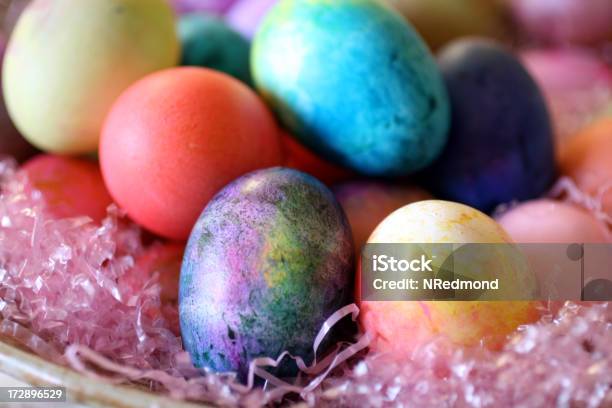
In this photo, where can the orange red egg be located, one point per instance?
(175, 138)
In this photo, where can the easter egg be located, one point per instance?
(501, 145)
(375, 104)
(246, 15)
(565, 21)
(544, 220)
(269, 260)
(209, 6)
(11, 142)
(67, 61)
(208, 42)
(586, 160)
(402, 327)
(299, 157)
(368, 203)
(440, 21)
(69, 187)
(175, 138)
(577, 86)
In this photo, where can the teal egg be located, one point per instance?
(208, 42)
(354, 82)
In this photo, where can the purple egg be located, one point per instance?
(246, 15)
(269, 260)
(211, 6)
(11, 142)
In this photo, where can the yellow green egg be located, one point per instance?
(68, 60)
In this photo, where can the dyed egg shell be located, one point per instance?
(175, 138)
(269, 260)
(551, 221)
(209, 6)
(440, 21)
(586, 160)
(548, 221)
(375, 104)
(401, 327)
(11, 142)
(68, 61)
(368, 203)
(208, 42)
(577, 86)
(299, 157)
(565, 21)
(501, 145)
(246, 15)
(70, 187)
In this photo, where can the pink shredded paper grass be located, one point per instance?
(67, 293)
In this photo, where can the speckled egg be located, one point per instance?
(401, 327)
(440, 21)
(501, 145)
(376, 103)
(269, 260)
(67, 61)
(208, 42)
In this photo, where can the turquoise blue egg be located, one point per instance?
(208, 42)
(269, 260)
(354, 82)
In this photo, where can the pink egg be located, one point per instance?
(548, 221)
(565, 21)
(577, 86)
(246, 15)
(368, 203)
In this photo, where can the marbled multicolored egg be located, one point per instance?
(175, 138)
(501, 144)
(401, 327)
(67, 61)
(246, 15)
(269, 260)
(376, 103)
(440, 21)
(368, 203)
(208, 42)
